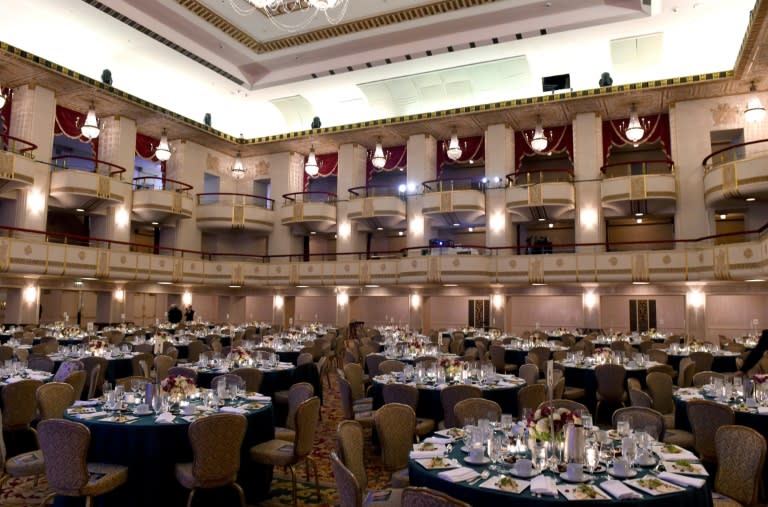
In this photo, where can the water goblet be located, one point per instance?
(624, 426)
(591, 456)
(629, 450)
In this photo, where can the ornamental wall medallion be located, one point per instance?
(455, 263)
(279, 270)
(218, 268)
(28, 250)
(346, 268)
(413, 264)
(725, 114)
(162, 263)
(310, 268)
(512, 263)
(559, 263)
(748, 253)
(613, 261)
(123, 259)
(666, 259)
(81, 255)
(382, 266)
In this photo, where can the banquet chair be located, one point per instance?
(94, 382)
(396, 427)
(529, 372)
(184, 372)
(703, 360)
(141, 364)
(127, 382)
(215, 442)
(473, 409)
(531, 396)
(643, 419)
(163, 363)
(638, 398)
(144, 348)
(229, 380)
(573, 406)
(173, 353)
(660, 388)
(253, 378)
(499, 362)
(77, 380)
(351, 492)
(19, 410)
(281, 453)
(686, 371)
(408, 395)
(658, 356)
(360, 412)
(702, 378)
(450, 396)
(425, 497)
(40, 363)
(706, 417)
(65, 368)
(353, 372)
(65, 450)
(53, 399)
(610, 385)
(304, 358)
(390, 366)
(741, 456)
(540, 356)
(633, 383)
(425, 361)
(28, 464)
(666, 369)
(297, 394)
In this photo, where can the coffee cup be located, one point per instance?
(575, 471)
(188, 410)
(476, 452)
(621, 467)
(143, 408)
(524, 467)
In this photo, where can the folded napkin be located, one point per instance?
(233, 410)
(504, 383)
(762, 410)
(438, 440)
(427, 454)
(682, 480)
(91, 415)
(258, 397)
(86, 403)
(617, 489)
(458, 474)
(543, 485)
(165, 418)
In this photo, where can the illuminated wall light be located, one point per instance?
(30, 294)
(588, 218)
(342, 299)
(278, 302)
(416, 225)
(498, 301)
(122, 218)
(411, 187)
(723, 216)
(415, 301)
(119, 295)
(186, 298)
(345, 230)
(590, 300)
(639, 220)
(497, 222)
(695, 299)
(35, 202)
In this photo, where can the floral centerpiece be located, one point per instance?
(178, 386)
(451, 366)
(240, 355)
(97, 346)
(602, 355)
(540, 427)
(760, 378)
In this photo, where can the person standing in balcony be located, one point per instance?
(189, 314)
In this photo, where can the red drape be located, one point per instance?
(397, 160)
(560, 140)
(657, 130)
(146, 146)
(328, 165)
(472, 148)
(68, 123)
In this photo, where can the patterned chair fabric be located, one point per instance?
(253, 378)
(642, 418)
(425, 497)
(390, 366)
(53, 399)
(451, 395)
(473, 409)
(531, 396)
(395, 426)
(297, 394)
(706, 417)
(741, 455)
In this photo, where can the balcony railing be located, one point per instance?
(160, 183)
(638, 168)
(296, 197)
(742, 151)
(233, 199)
(533, 177)
(17, 145)
(449, 184)
(375, 191)
(93, 165)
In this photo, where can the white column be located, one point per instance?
(499, 155)
(352, 159)
(422, 160)
(589, 222)
(287, 173)
(186, 165)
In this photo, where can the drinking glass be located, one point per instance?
(496, 449)
(591, 456)
(506, 422)
(624, 426)
(157, 402)
(738, 386)
(629, 450)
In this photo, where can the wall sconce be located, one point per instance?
(119, 295)
(497, 301)
(497, 222)
(695, 299)
(278, 302)
(590, 300)
(755, 111)
(415, 301)
(30, 294)
(121, 217)
(588, 218)
(186, 298)
(35, 201)
(345, 230)
(416, 225)
(342, 299)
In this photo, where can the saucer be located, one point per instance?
(584, 478)
(482, 461)
(630, 473)
(533, 473)
(142, 412)
(647, 463)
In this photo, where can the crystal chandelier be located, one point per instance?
(333, 10)
(635, 129)
(311, 167)
(539, 141)
(163, 151)
(378, 159)
(454, 148)
(238, 169)
(755, 111)
(90, 128)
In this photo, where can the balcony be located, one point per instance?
(157, 199)
(86, 183)
(639, 188)
(454, 201)
(225, 211)
(544, 194)
(17, 166)
(735, 174)
(377, 206)
(307, 212)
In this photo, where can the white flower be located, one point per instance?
(542, 425)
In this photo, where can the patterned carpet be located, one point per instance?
(23, 492)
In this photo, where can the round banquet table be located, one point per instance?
(275, 379)
(117, 368)
(724, 361)
(288, 356)
(429, 398)
(151, 451)
(478, 496)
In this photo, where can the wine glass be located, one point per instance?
(629, 450)
(496, 449)
(623, 426)
(157, 402)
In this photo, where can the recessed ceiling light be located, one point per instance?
(456, 224)
(234, 286)
(537, 284)
(312, 233)
(164, 283)
(542, 219)
(723, 216)
(89, 278)
(450, 285)
(638, 214)
(302, 286)
(379, 228)
(750, 199)
(80, 210)
(640, 283)
(155, 223)
(755, 280)
(371, 286)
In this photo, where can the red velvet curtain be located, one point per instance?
(68, 123)
(328, 165)
(472, 148)
(560, 140)
(656, 130)
(146, 146)
(397, 160)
